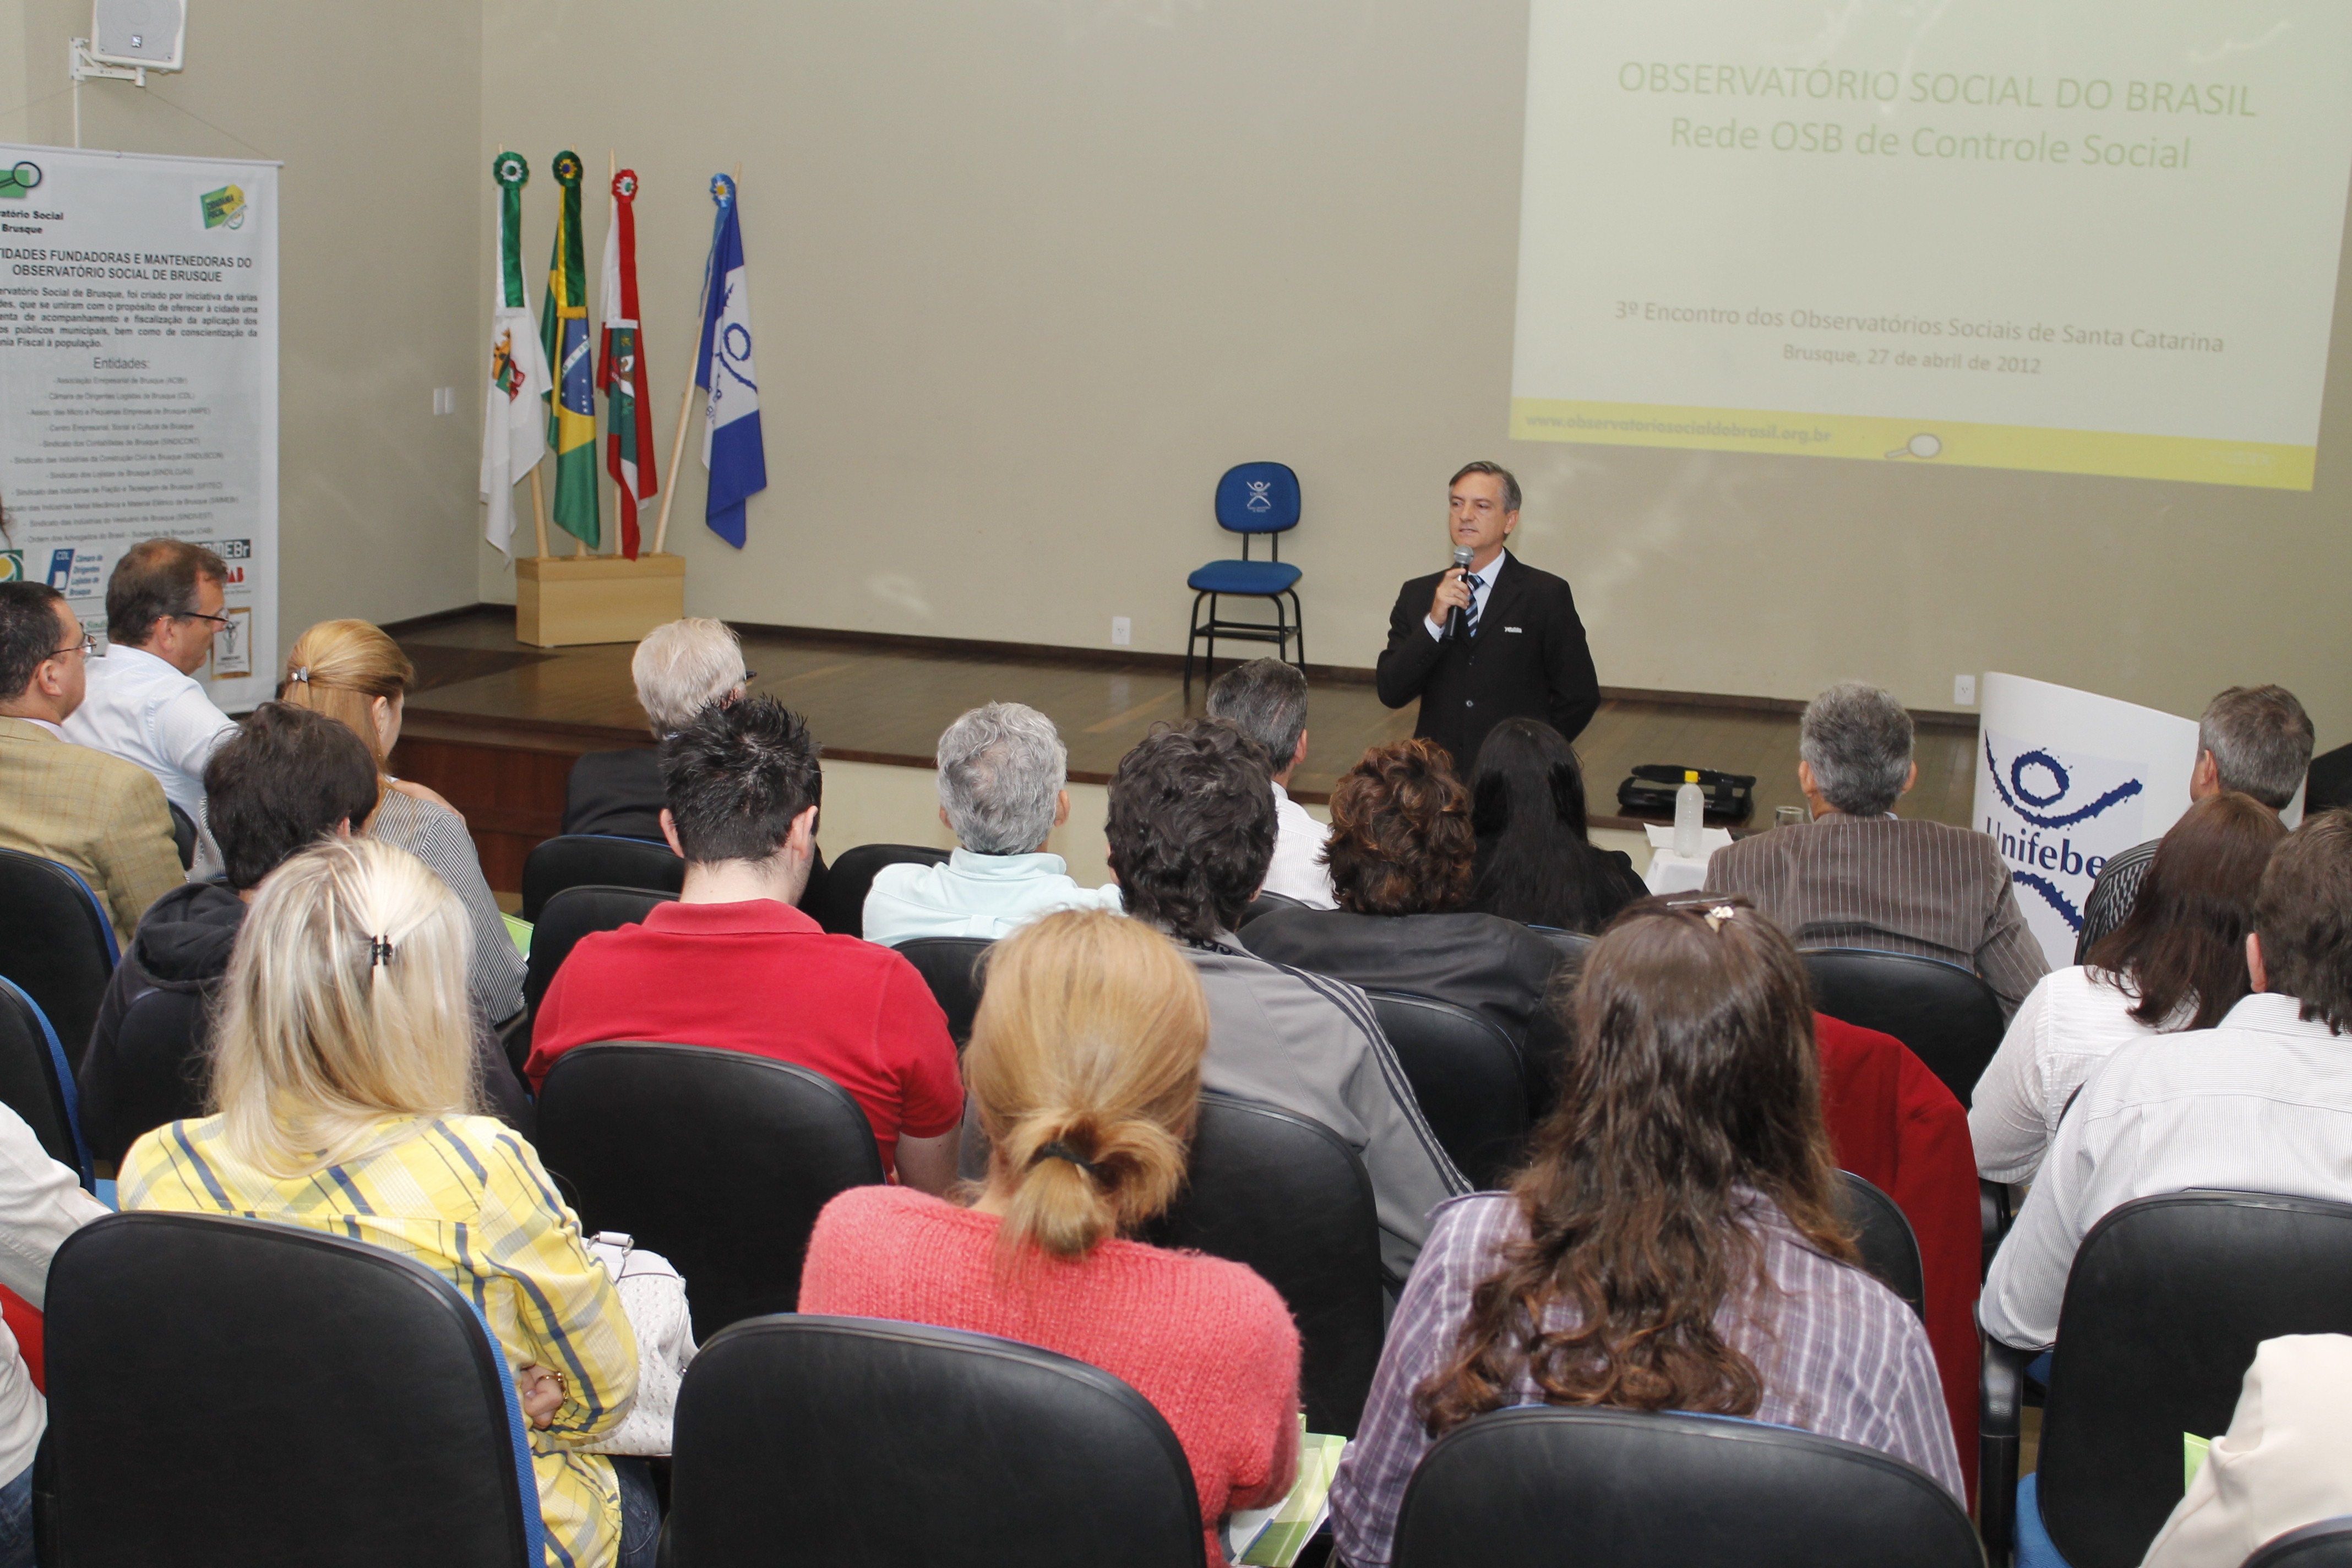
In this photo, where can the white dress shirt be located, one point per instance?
(2072, 1020)
(1478, 595)
(974, 895)
(142, 709)
(1298, 839)
(41, 1204)
(2262, 1103)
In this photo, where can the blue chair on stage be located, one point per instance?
(1253, 497)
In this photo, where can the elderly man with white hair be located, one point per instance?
(680, 668)
(1859, 875)
(1002, 769)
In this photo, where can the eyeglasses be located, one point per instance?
(750, 675)
(87, 646)
(200, 616)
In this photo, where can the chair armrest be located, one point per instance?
(2001, 1404)
(1994, 1214)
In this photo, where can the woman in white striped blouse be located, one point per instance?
(1675, 1233)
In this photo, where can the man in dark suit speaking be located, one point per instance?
(1519, 649)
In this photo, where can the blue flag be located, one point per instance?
(731, 447)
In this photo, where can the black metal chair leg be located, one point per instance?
(1298, 617)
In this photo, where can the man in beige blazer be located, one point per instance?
(98, 815)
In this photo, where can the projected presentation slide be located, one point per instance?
(2095, 236)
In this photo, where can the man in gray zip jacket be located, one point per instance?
(1191, 831)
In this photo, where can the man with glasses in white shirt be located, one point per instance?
(164, 607)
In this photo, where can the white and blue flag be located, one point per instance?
(731, 447)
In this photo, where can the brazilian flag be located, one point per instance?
(563, 332)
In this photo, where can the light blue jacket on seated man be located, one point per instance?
(1001, 770)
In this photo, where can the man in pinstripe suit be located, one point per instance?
(98, 816)
(1859, 875)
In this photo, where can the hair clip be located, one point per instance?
(1718, 914)
(379, 951)
(300, 672)
(1057, 1149)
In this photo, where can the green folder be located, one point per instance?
(1274, 1537)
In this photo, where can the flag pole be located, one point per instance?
(537, 510)
(612, 167)
(685, 402)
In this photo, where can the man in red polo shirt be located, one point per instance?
(733, 965)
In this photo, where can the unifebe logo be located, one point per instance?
(2058, 815)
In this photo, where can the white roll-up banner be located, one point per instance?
(2067, 779)
(139, 385)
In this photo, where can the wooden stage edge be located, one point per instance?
(1113, 660)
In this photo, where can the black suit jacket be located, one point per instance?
(1529, 660)
(619, 794)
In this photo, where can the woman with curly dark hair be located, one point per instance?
(1534, 862)
(1400, 854)
(1672, 1246)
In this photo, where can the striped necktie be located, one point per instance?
(1470, 621)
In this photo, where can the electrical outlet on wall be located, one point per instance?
(444, 400)
(1122, 631)
(1964, 690)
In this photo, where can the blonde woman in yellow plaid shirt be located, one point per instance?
(343, 1073)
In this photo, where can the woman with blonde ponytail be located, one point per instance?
(1085, 1065)
(354, 673)
(344, 1081)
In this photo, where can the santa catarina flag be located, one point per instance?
(628, 417)
(563, 333)
(731, 449)
(514, 433)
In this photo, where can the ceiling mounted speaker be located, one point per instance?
(148, 33)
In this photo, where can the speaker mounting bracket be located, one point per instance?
(84, 66)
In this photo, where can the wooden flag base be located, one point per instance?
(565, 599)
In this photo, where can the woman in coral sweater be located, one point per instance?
(1086, 1065)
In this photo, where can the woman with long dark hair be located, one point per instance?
(1674, 1243)
(1535, 864)
(2178, 961)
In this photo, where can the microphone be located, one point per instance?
(1457, 620)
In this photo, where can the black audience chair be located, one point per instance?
(2166, 1300)
(593, 859)
(35, 1081)
(718, 1160)
(1946, 1014)
(860, 1443)
(55, 943)
(953, 967)
(1283, 1194)
(329, 1402)
(840, 908)
(1264, 903)
(1469, 1079)
(2326, 1544)
(1549, 1486)
(1890, 1252)
(183, 834)
(571, 914)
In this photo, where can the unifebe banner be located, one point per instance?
(2067, 779)
(139, 380)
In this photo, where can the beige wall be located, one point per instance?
(1028, 274)
(374, 113)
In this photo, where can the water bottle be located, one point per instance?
(1690, 816)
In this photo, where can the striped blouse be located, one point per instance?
(437, 835)
(466, 1198)
(1839, 1354)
